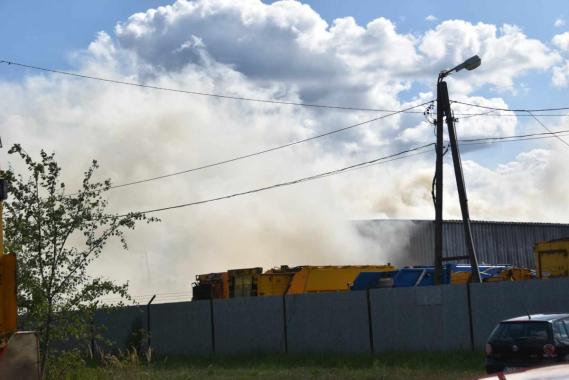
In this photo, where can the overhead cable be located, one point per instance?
(546, 128)
(393, 157)
(198, 93)
(509, 109)
(381, 160)
(549, 134)
(259, 100)
(237, 158)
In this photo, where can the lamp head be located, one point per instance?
(470, 64)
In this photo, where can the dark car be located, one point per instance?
(528, 341)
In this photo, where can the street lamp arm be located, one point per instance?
(470, 64)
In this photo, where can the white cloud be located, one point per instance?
(559, 22)
(280, 51)
(560, 77)
(304, 49)
(506, 52)
(431, 18)
(561, 41)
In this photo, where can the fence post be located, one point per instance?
(212, 325)
(93, 336)
(148, 326)
(285, 327)
(470, 324)
(370, 322)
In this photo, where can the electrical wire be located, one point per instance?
(549, 134)
(270, 101)
(547, 129)
(198, 93)
(490, 114)
(265, 150)
(512, 140)
(392, 157)
(511, 110)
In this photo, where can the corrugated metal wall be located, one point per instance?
(495, 242)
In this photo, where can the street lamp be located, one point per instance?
(470, 64)
(444, 111)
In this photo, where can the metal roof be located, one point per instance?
(411, 242)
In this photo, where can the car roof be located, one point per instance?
(538, 317)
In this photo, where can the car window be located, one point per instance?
(560, 331)
(512, 331)
(566, 324)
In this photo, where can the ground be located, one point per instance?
(392, 366)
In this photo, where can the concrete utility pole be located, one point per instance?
(444, 111)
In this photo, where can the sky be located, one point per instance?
(364, 54)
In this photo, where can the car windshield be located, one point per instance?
(513, 331)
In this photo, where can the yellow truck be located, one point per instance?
(312, 279)
(552, 258)
(317, 279)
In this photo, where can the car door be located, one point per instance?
(561, 329)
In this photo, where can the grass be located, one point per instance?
(396, 366)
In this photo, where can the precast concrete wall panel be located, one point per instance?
(182, 328)
(494, 302)
(249, 325)
(119, 327)
(423, 318)
(328, 322)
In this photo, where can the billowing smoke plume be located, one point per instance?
(282, 51)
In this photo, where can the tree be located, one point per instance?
(55, 294)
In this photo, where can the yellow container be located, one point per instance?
(274, 284)
(511, 274)
(276, 281)
(316, 279)
(552, 258)
(459, 277)
(243, 282)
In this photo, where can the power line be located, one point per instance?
(396, 156)
(381, 160)
(266, 150)
(547, 129)
(490, 114)
(482, 140)
(198, 93)
(512, 140)
(511, 110)
(258, 100)
(529, 136)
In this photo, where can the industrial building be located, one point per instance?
(495, 242)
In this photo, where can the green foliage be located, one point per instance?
(56, 236)
(65, 364)
(386, 366)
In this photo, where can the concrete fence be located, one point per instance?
(444, 317)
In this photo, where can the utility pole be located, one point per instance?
(444, 111)
(439, 190)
